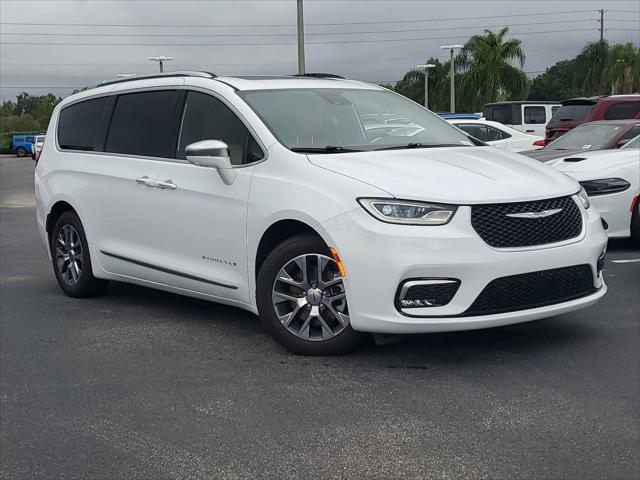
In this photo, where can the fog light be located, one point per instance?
(422, 293)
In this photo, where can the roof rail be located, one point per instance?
(159, 75)
(321, 75)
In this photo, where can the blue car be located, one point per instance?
(466, 116)
(21, 144)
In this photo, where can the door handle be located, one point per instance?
(529, 131)
(152, 182)
(146, 181)
(167, 184)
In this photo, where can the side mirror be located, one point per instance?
(212, 154)
(622, 142)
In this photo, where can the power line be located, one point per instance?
(293, 24)
(283, 43)
(83, 34)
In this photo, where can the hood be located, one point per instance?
(544, 155)
(459, 175)
(595, 162)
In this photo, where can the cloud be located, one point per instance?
(258, 37)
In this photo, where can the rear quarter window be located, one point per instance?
(81, 125)
(621, 111)
(498, 113)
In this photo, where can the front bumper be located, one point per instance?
(378, 257)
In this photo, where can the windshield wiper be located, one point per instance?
(327, 149)
(420, 145)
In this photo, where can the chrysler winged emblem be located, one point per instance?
(541, 214)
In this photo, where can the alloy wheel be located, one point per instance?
(309, 298)
(69, 254)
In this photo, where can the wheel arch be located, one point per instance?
(277, 233)
(57, 209)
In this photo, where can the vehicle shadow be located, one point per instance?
(622, 245)
(402, 351)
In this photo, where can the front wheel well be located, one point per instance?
(278, 233)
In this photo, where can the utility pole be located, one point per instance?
(301, 69)
(161, 59)
(452, 74)
(426, 81)
(601, 25)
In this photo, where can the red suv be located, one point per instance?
(581, 110)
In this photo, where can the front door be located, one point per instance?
(203, 224)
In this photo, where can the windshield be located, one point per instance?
(571, 113)
(586, 137)
(635, 143)
(349, 120)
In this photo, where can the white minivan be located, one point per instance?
(272, 195)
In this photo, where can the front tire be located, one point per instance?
(72, 260)
(302, 300)
(21, 152)
(635, 222)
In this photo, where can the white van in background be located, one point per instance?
(526, 116)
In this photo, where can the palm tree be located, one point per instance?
(487, 70)
(412, 85)
(623, 69)
(592, 61)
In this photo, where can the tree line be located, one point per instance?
(27, 113)
(489, 69)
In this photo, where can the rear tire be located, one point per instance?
(635, 222)
(71, 258)
(21, 152)
(316, 322)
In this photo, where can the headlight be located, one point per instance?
(584, 198)
(604, 186)
(408, 213)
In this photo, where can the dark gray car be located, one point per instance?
(600, 135)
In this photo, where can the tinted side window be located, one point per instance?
(535, 115)
(495, 134)
(145, 123)
(18, 139)
(620, 111)
(477, 131)
(28, 139)
(207, 118)
(500, 113)
(633, 132)
(80, 126)
(554, 109)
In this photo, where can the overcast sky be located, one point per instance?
(103, 38)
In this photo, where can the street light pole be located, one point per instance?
(161, 59)
(452, 73)
(301, 66)
(426, 81)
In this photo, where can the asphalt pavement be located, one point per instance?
(141, 384)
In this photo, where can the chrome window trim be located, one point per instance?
(187, 88)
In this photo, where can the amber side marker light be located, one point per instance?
(336, 258)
